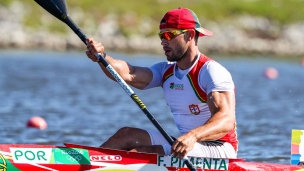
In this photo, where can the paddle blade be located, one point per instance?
(57, 8)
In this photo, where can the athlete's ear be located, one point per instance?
(186, 36)
(191, 33)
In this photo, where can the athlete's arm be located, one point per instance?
(222, 107)
(221, 102)
(138, 77)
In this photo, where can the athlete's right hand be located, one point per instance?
(93, 48)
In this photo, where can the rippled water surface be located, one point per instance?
(83, 106)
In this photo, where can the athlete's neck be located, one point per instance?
(187, 61)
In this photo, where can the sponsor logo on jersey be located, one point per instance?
(177, 86)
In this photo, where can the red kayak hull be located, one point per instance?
(16, 157)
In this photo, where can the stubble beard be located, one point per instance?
(178, 53)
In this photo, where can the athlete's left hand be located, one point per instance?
(183, 144)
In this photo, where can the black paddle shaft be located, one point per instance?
(58, 8)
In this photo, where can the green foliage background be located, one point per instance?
(281, 12)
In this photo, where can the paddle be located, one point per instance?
(58, 9)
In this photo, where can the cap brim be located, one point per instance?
(204, 32)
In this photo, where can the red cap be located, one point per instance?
(183, 18)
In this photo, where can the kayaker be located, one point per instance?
(198, 90)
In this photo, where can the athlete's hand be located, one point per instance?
(93, 48)
(183, 144)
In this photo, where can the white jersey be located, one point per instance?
(186, 91)
(188, 106)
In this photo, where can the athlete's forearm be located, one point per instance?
(138, 77)
(120, 66)
(215, 128)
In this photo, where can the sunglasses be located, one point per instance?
(170, 34)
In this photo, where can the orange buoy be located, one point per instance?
(271, 73)
(37, 122)
(302, 62)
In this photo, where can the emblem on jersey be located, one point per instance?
(194, 109)
(171, 85)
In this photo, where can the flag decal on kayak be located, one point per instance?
(297, 147)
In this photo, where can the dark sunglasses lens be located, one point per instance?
(163, 36)
(160, 36)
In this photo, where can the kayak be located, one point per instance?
(33, 157)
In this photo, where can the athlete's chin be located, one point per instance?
(169, 56)
(168, 53)
(170, 59)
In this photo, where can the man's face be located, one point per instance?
(175, 47)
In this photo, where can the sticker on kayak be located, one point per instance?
(297, 146)
(50, 155)
(71, 156)
(198, 162)
(31, 155)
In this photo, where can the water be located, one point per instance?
(83, 106)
